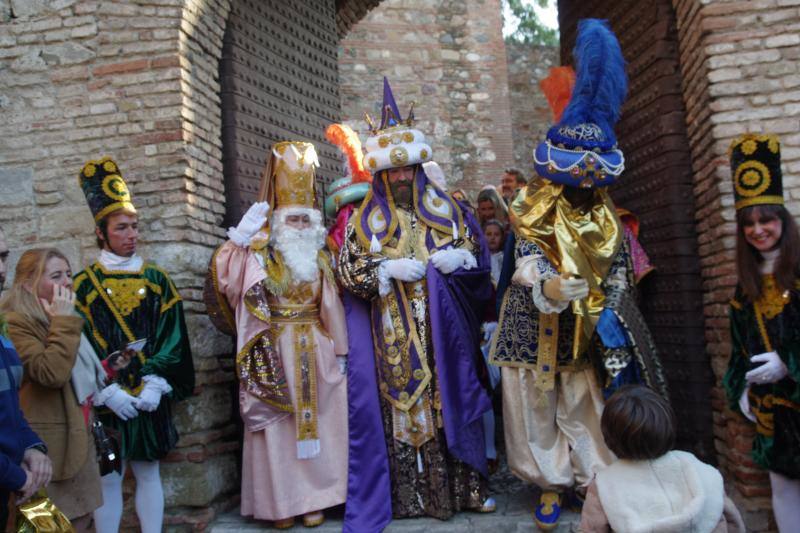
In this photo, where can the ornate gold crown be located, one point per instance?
(294, 174)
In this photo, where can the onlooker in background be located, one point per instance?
(42, 323)
(653, 487)
(495, 233)
(512, 181)
(24, 465)
(462, 196)
(491, 206)
(494, 230)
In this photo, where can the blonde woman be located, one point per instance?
(40, 311)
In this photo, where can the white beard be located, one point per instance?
(299, 247)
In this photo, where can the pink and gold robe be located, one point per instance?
(288, 336)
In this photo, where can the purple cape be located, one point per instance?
(456, 302)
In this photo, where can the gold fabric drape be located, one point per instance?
(578, 241)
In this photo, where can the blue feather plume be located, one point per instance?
(600, 80)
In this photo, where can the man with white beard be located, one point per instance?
(272, 286)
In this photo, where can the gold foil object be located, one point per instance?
(577, 241)
(40, 515)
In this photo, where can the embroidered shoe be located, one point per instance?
(548, 511)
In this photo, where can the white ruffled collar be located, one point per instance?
(112, 261)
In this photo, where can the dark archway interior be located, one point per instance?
(279, 81)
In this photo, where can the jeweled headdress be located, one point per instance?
(395, 143)
(580, 150)
(293, 175)
(105, 190)
(756, 170)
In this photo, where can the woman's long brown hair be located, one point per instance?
(748, 259)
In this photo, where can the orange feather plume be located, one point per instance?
(348, 142)
(557, 88)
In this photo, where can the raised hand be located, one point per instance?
(62, 304)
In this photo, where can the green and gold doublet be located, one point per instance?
(770, 324)
(122, 306)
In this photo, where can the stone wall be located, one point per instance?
(530, 114)
(448, 57)
(83, 79)
(741, 72)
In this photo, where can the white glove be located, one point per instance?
(744, 405)
(488, 330)
(451, 259)
(154, 388)
(342, 361)
(771, 370)
(119, 401)
(404, 269)
(562, 289)
(251, 223)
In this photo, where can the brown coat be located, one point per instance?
(46, 395)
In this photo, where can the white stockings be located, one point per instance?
(785, 502)
(149, 498)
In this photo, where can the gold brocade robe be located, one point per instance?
(426, 479)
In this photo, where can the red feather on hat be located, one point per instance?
(348, 142)
(557, 88)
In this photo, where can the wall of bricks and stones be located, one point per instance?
(449, 58)
(137, 81)
(740, 62)
(530, 114)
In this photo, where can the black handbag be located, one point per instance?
(106, 442)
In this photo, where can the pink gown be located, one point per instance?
(275, 483)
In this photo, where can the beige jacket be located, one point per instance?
(46, 396)
(675, 493)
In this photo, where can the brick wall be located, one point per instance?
(530, 114)
(741, 72)
(449, 57)
(82, 79)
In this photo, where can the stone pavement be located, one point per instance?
(512, 516)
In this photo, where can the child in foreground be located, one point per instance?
(653, 487)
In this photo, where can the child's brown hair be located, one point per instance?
(638, 424)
